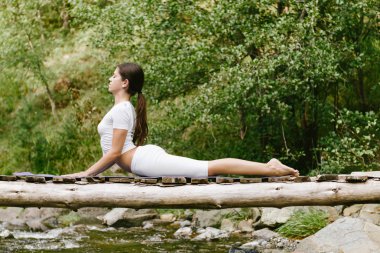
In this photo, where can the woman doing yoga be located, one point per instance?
(123, 131)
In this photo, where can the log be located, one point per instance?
(209, 196)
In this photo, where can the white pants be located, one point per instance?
(153, 161)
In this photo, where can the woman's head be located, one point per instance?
(135, 76)
(132, 76)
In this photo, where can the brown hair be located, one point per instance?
(135, 76)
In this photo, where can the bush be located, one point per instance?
(354, 145)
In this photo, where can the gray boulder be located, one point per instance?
(264, 234)
(348, 235)
(370, 213)
(127, 217)
(272, 217)
(245, 226)
(227, 225)
(10, 213)
(353, 210)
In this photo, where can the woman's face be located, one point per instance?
(116, 84)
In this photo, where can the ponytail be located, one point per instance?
(141, 129)
(135, 75)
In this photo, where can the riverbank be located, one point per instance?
(234, 230)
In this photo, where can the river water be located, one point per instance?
(84, 238)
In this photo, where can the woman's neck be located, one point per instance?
(121, 97)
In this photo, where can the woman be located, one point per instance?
(122, 126)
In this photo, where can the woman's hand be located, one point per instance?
(79, 174)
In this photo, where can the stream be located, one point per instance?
(85, 238)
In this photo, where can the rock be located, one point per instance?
(127, 217)
(349, 235)
(185, 223)
(41, 219)
(256, 214)
(245, 226)
(91, 215)
(147, 225)
(10, 217)
(10, 213)
(168, 217)
(370, 213)
(353, 210)
(272, 217)
(51, 222)
(211, 233)
(332, 212)
(15, 224)
(339, 209)
(211, 218)
(188, 214)
(251, 245)
(264, 234)
(6, 234)
(36, 225)
(227, 225)
(42, 213)
(184, 232)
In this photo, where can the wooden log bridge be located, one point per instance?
(207, 193)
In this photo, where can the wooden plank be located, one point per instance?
(279, 179)
(149, 180)
(199, 180)
(249, 180)
(125, 180)
(352, 179)
(212, 179)
(224, 180)
(8, 178)
(327, 177)
(301, 179)
(173, 180)
(366, 173)
(64, 180)
(94, 180)
(34, 179)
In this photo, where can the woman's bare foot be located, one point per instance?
(281, 169)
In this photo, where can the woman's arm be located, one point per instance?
(109, 159)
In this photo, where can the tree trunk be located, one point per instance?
(214, 196)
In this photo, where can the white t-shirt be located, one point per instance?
(121, 116)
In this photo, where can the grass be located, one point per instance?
(303, 224)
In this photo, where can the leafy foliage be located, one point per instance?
(247, 79)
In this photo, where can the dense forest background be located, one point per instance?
(296, 80)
